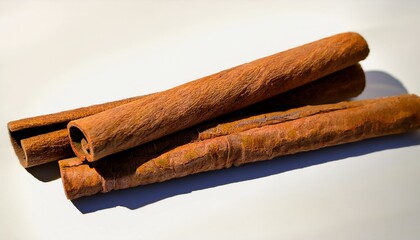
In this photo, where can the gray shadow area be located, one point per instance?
(378, 84)
(381, 84)
(46, 172)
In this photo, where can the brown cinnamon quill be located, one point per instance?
(160, 114)
(43, 139)
(279, 134)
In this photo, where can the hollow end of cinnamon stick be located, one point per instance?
(42, 139)
(80, 143)
(35, 148)
(19, 150)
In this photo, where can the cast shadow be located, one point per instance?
(378, 84)
(141, 196)
(45, 172)
(381, 84)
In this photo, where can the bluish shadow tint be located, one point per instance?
(381, 84)
(378, 84)
(143, 195)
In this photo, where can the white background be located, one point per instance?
(58, 55)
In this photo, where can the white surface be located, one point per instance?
(57, 55)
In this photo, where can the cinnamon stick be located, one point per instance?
(157, 115)
(43, 139)
(301, 129)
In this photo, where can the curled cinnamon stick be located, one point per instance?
(157, 115)
(298, 130)
(44, 139)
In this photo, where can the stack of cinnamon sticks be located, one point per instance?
(289, 102)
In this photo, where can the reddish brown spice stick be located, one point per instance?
(44, 139)
(157, 115)
(310, 128)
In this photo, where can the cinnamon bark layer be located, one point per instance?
(282, 133)
(160, 114)
(44, 139)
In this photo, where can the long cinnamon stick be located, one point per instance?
(301, 129)
(156, 115)
(44, 139)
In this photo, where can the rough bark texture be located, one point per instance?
(44, 139)
(302, 129)
(336, 87)
(160, 114)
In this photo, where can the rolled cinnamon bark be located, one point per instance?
(160, 114)
(298, 130)
(44, 139)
